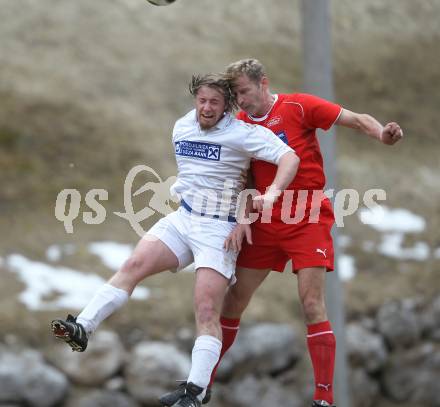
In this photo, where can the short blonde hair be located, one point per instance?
(250, 67)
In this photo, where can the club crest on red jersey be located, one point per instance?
(274, 121)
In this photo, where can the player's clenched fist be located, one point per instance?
(391, 133)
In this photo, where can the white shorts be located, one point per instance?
(198, 239)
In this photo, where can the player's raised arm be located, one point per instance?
(389, 134)
(287, 168)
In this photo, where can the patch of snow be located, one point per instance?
(55, 252)
(385, 219)
(112, 254)
(346, 267)
(69, 288)
(391, 246)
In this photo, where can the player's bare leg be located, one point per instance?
(311, 290)
(149, 257)
(320, 338)
(239, 295)
(209, 292)
(235, 302)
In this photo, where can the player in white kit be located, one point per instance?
(213, 152)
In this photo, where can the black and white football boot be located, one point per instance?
(71, 332)
(169, 399)
(321, 403)
(190, 396)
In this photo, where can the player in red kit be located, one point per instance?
(290, 233)
(298, 227)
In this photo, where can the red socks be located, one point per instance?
(322, 348)
(229, 332)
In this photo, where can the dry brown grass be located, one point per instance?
(390, 70)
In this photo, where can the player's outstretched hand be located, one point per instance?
(391, 134)
(235, 238)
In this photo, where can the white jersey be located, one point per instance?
(212, 164)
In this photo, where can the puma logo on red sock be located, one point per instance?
(326, 387)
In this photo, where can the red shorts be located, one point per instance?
(306, 244)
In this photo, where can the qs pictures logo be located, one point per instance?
(68, 202)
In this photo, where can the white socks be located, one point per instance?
(205, 355)
(106, 301)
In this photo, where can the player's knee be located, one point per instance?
(134, 268)
(314, 308)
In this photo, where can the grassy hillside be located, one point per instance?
(94, 89)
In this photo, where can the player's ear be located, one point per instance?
(264, 82)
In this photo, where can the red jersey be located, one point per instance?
(294, 118)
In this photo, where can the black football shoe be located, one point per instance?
(321, 403)
(71, 332)
(169, 399)
(189, 398)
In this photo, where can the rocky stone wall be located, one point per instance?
(394, 357)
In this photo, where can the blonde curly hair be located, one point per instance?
(217, 81)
